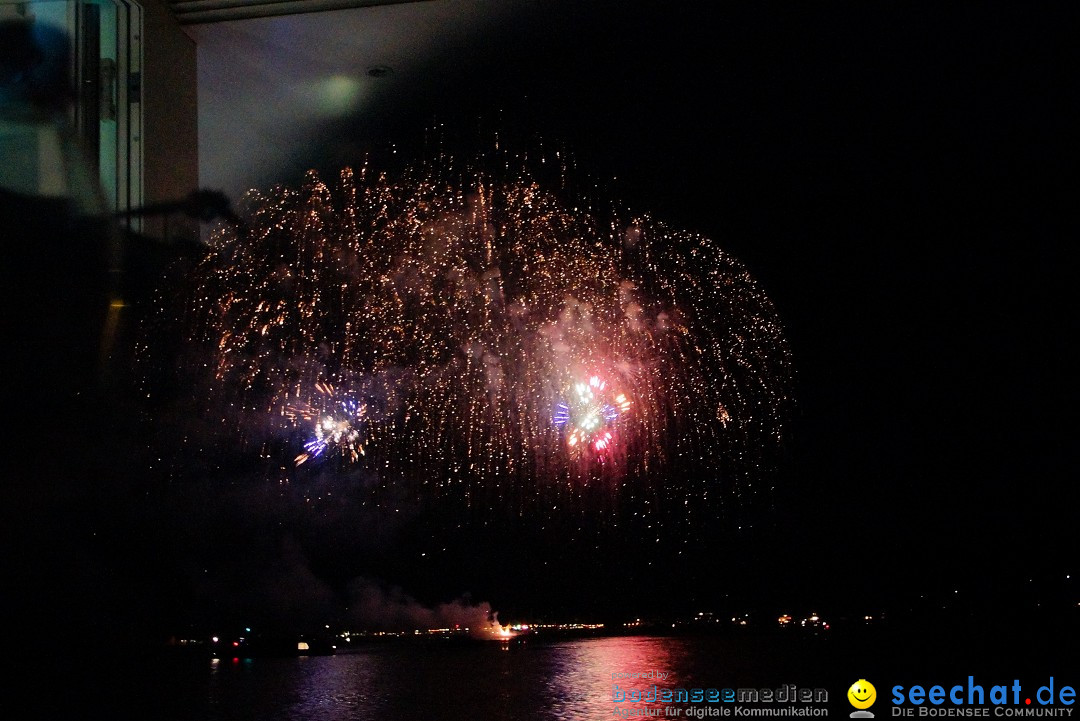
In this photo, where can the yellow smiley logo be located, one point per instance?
(862, 694)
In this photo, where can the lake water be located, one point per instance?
(571, 679)
(567, 680)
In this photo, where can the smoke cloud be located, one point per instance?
(377, 607)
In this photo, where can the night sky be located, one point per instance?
(893, 176)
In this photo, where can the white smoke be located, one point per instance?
(376, 607)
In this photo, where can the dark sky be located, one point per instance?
(893, 175)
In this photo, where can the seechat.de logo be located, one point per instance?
(974, 699)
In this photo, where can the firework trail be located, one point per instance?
(500, 345)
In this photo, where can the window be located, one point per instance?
(106, 68)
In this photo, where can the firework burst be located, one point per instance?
(588, 414)
(335, 424)
(496, 331)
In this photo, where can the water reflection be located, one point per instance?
(587, 672)
(568, 680)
